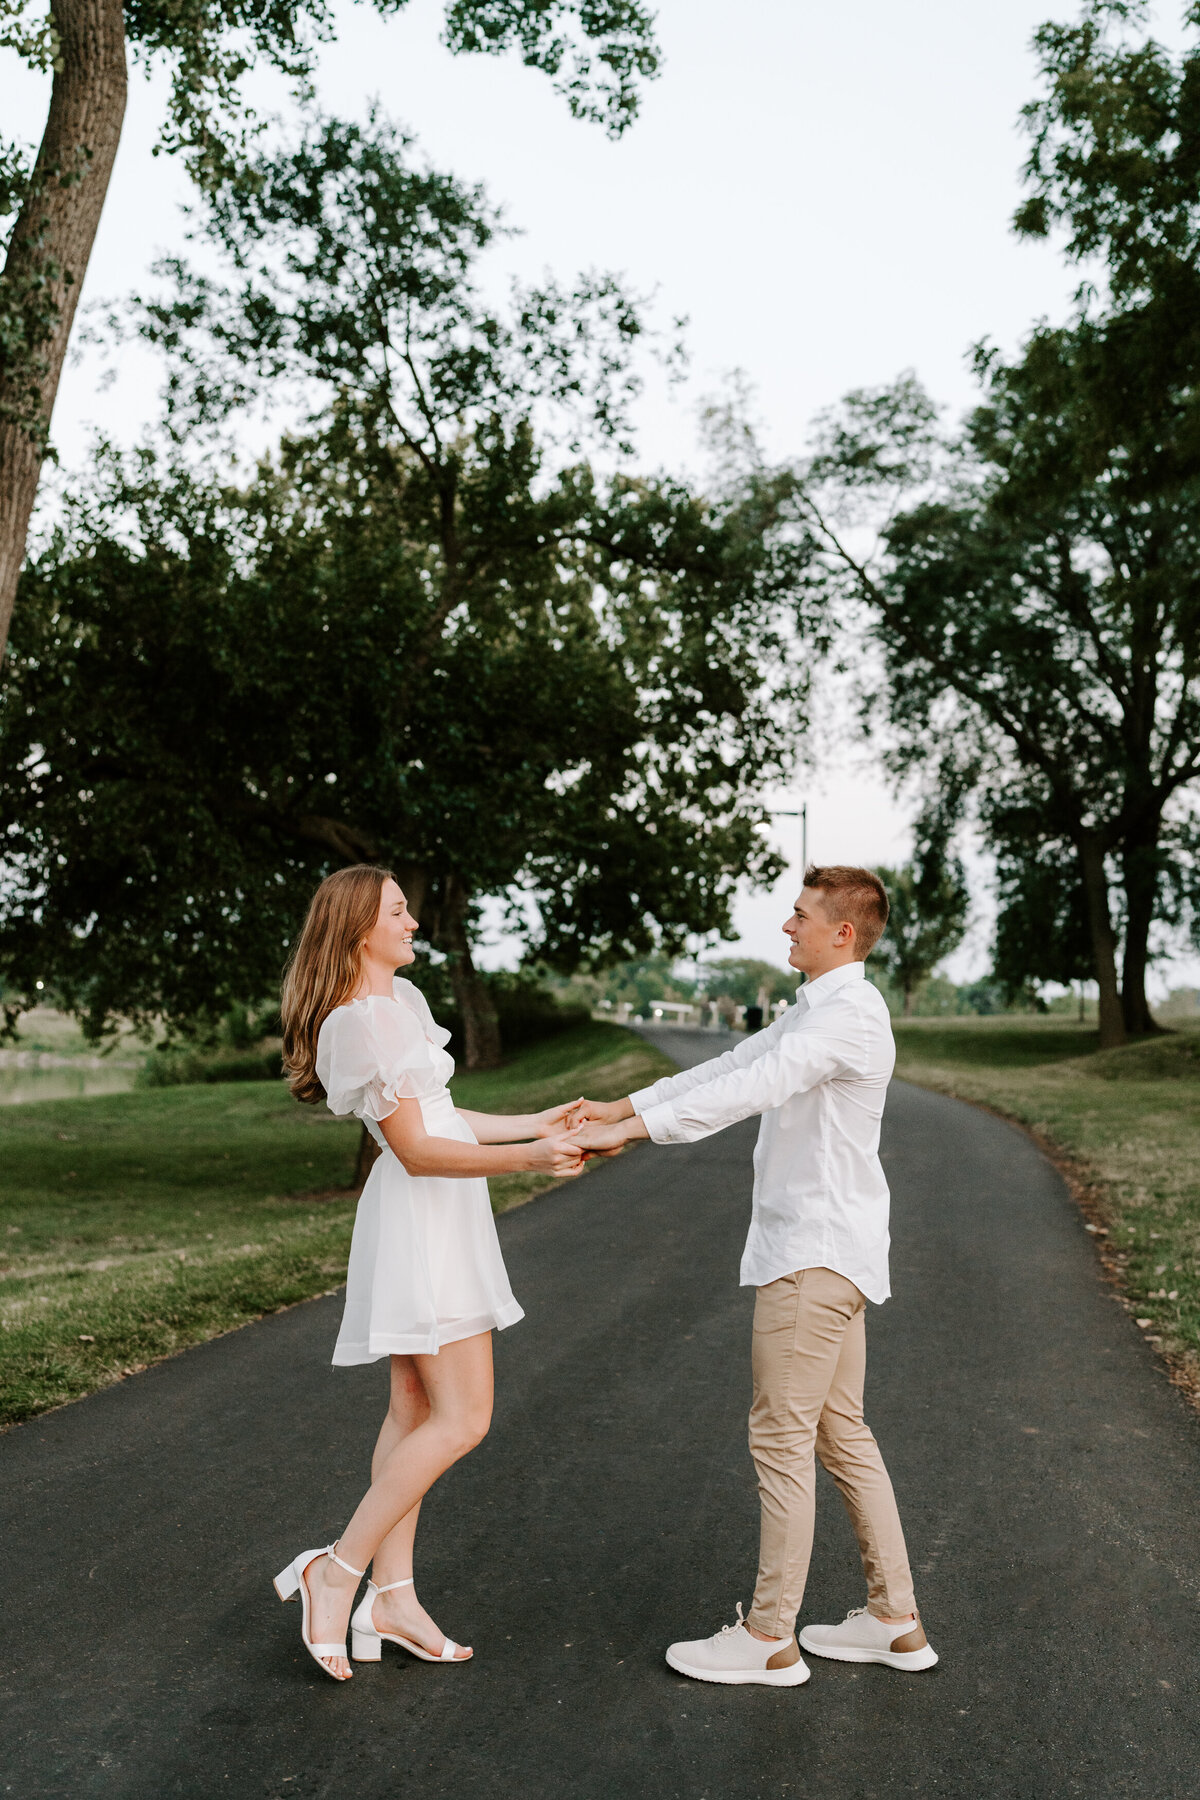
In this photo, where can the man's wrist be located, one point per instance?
(626, 1109)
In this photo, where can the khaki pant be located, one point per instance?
(810, 1353)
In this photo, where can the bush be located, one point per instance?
(178, 1068)
(528, 1014)
(527, 1010)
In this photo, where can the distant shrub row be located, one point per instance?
(177, 1068)
(527, 1012)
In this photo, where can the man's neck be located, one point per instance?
(843, 962)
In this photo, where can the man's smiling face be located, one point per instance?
(818, 942)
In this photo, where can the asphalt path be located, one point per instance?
(1048, 1478)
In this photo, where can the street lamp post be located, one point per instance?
(802, 815)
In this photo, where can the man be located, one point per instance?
(817, 1252)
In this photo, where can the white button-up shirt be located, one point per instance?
(819, 1077)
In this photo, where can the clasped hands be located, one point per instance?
(583, 1129)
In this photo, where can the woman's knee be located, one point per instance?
(465, 1430)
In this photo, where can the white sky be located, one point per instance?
(825, 191)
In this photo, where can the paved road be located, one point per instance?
(1048, 1478)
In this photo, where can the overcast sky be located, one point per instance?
(824, 191)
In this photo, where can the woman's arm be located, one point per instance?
(422, 1154)
(514, 1128)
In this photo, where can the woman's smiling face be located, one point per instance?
(390, 939)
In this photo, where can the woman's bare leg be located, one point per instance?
(458, 1387)
(408, 1407)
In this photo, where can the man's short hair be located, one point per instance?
(853, 894)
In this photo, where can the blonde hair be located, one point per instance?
(325, 967)
(853, 894)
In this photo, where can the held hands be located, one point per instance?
(558, 1155)
(600, 1112)
(604, 1127)
(606, 1138)
(571, 1134)
(556, 1119)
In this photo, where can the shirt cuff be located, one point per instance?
(662, 1124)
(642, 1099)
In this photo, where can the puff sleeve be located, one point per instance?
(436, 1033)
(372, 1054)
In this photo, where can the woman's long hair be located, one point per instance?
(325, 967)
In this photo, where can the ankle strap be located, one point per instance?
(331, 1553)
(389, 1585)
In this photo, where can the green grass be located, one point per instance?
(1127, 1123)
(136, 1224)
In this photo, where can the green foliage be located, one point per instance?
(528, 1008)
(1115, 152)
(596, 52)
(411, 636)
(741, 978)
(1031, 584)
(356, 276)
(643, 981)
(984, 998)
(1033, 599)
(184, 1067)
(1041, 929)
(929, 904)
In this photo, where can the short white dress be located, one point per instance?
(425, 1263)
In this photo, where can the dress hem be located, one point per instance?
(427, 1343)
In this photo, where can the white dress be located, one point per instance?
(425, 1263)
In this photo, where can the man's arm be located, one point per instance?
(831, 1044)
(669, 1087)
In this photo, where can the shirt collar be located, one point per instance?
(812, 993)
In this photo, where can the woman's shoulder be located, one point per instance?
(409, 994)
(367, 1015)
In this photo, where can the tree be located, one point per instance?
(1036, 608)
(596, 51)
(928, 904)
(1042, 926)
(743, 978)
(207, 706)
(420, 486)
(1032, 587)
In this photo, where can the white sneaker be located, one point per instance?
(733, 1656)
(862, 1638)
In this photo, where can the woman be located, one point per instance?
(426, 1283)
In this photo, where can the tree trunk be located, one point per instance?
(1104, 943)
(1139, 858)
(481, 1027)
(908, 1001)
(48, 256)
(414, 879)
(364, 1161)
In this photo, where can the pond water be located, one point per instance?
(33, 1075)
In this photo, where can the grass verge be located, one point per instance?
(136, 1224)
(1124, 1126)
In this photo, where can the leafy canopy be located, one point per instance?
(418, 632)
(596, 53)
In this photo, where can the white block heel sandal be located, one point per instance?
(290, 1582)
(367, 1643)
